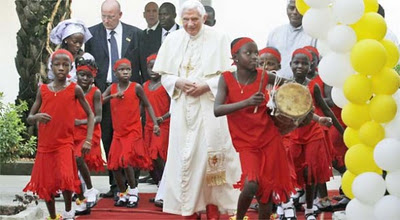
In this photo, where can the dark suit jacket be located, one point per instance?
(150, 43)
(98, 47)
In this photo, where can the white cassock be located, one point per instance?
(195, 133)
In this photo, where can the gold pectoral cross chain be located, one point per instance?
(188, 68)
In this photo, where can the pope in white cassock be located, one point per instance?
(202, 165)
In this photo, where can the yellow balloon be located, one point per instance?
(368, 56)
(382, 108)
(301, 6)
(354, 115)
(370, 26)
(371, 133)
(386, 82)
(350, 137)
(360, 159)
(371, 6)
(357, 88)
(392, 51)
(347, 181)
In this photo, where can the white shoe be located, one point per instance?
(92, 196)
(81, 207)
(68, 215)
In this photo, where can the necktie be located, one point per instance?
(114, 53)
(166, 34)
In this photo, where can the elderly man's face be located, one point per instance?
(110, 15)
(192, 21)
(295, 18)
(151, 14)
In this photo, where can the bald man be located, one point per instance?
(110, 30)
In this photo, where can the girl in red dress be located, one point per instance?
(160, 101)
(271, 57)
(127, 147)
(308, 146)
(55, 167)
(86, 71)
(265, 166)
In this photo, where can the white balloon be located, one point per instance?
(334, 69)
(338, 97)
(392, 129)
(323, 47)
(387, 154)
(356, 210)
(369, 187)
(347, 12)
(387, 208)
(318, 3)
(317, 22)
(393, 183)
(341, 38)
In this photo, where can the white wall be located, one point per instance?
(251, 18)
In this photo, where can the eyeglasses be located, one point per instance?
(80, 61)
(108, 17)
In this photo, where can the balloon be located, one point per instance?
(323, 47)
(371, 26)
(369, 187)
(338, 97)
(341, 38)
(359, 159)
(347, 12)
(387, 208)
(354, 115)
(347, 181)
(371, 133)
(382, 108)
(387, 154)
(318, 3)
(358, 88)
(386, 82)
(356, 210)
(317, 22)
(368, 56)
(392, 51)
(335, 68)
(371, 5)
(350, 137)
(392, 183)
(393, 127)
(302, 7)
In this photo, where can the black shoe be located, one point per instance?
(144, 179)
(159, 203)
(151, 200)
(341, 205)
(84, 212)
(120, 203)
(108, 194)
(254, 206)
(151, 181)
(132, 204)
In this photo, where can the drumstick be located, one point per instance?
(261, 84)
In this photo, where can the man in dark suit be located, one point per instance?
(112, 40)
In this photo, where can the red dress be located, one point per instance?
(159, 100)
(93, 159)
(55, 166)
(337, 138)
(258, 142)
(309, 149)
(127, 147)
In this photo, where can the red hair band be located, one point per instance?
(313, 49)
(121, 61)
(272, 51)
(303, 51)
(151, 57)
(63, 51)
(239, 44)
(87, 68)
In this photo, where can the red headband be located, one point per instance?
(63, 51)
(272, 51)
(239, 44)
(87, 68)
(151, 57)
(313, 49)
(121, 61)
(302, 51)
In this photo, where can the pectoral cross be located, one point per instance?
(188, 68)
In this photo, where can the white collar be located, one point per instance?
(173, 28)
(118, 30)
(154, 27)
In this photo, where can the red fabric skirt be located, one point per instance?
(93, 159)
(128, 151)
(269, 167)
(338, 144)
(157, 145)
(314, 157)
(54, 171)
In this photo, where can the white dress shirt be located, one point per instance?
(164, 32)
(118, 38)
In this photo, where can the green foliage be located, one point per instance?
(397, 68)
(13, 145)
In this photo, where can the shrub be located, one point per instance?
(13, 145)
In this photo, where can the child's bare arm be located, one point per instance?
(34, 116)
(90, 119)
(149, 108)
(107, 95)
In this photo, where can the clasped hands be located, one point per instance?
(190, 88)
